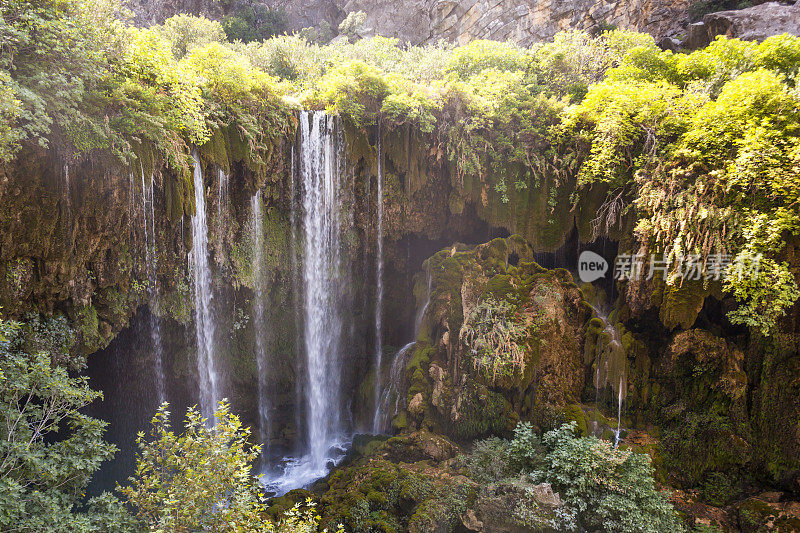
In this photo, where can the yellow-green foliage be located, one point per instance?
(9, 111)
(355, 89)
(186, 32)
(706, 146)
(700, 148)
(201, 479)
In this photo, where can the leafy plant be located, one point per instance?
(496, 336)
(351, 24)
(254, 22)
(48, 449)
(197, 480)
(604, 488)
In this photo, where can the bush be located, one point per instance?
(603, 488)
(185, 32)
(489, 461)
(198, 480)
(351, 24)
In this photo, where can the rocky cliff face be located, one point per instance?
(427, 21)
(752, 24)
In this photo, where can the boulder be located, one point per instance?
(513, 506)
(755, 23)
(697, 36)
(751, 24)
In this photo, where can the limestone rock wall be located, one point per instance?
(427, 21)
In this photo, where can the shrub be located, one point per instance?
(496, 335)
(197, 480)
(185, 32)
(604, 488)
(489, 460)
(351, 24)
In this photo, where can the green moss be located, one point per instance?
(217, 149)
(500, 288)
(681, 303)
(575, 412)
(86, 326)
(400, 421)
(753, 513)
(482, 412)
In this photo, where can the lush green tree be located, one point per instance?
(706, 148)
(197, 480)
(186, 32)
(48, 449)
(351, 24)
(9, 112)
(50, 52)
(254, 22)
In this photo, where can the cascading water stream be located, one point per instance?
(619, 413)
(610, 365)
(396, 383)
(203, 311)
(322, 327)
(321, 270)
(376, 422)
(259, 320)
(151, 260)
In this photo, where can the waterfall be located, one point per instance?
(222, 202)
(379, 293)
(67, 189)
(323, 283)
(296, 288)
(151, 260)
(319, 161)
(619, 413)
(203, 310)
(259, 321)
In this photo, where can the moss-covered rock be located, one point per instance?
(451, 388)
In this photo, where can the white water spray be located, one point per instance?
(323, 284)
(392, 400)
(619, 413)
(259, 320)
(610, 366)
(203, 310)
(151, 260)
(376, 422)
(319, 160)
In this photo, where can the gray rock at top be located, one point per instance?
(752, 24)
(755, 23)
(426, 21)
(525, 22)
(521, 21)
